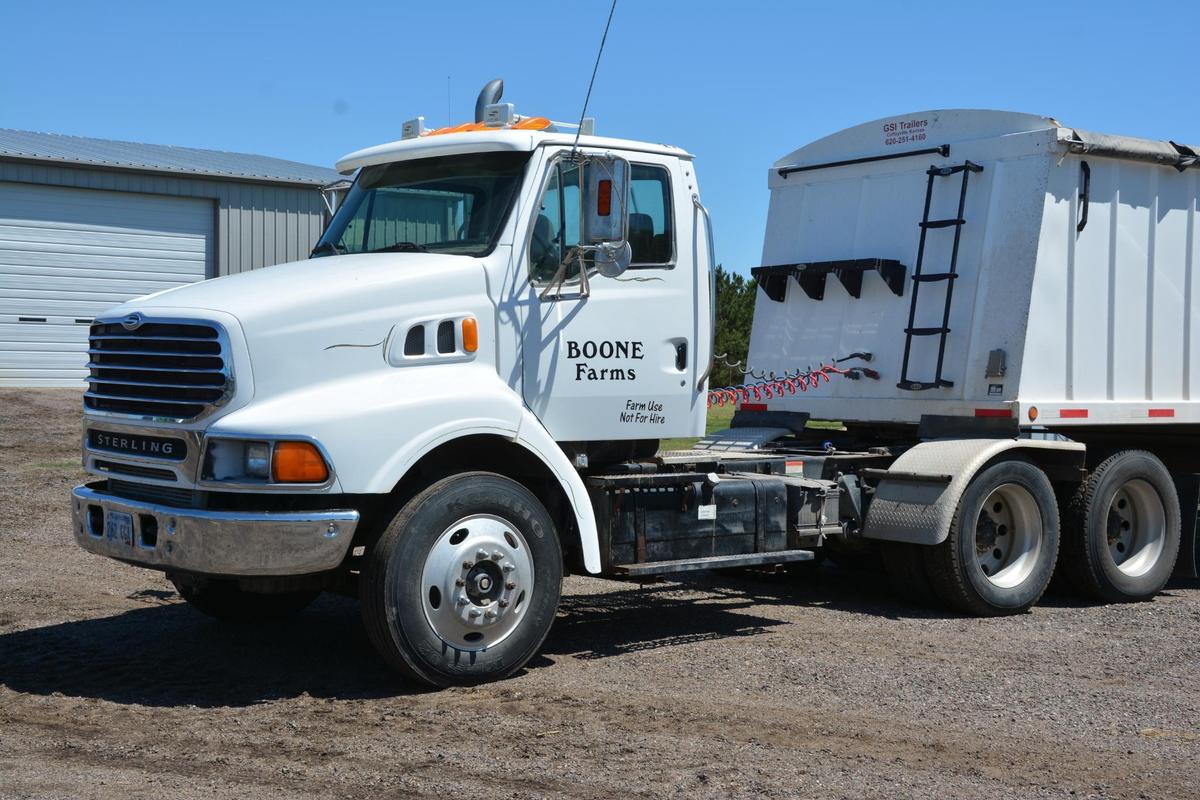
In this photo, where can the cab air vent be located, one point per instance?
(414, 342)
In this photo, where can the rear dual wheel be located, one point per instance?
(464, 584)
(1122, 529)
(1002, 546)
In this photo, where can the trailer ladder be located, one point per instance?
(919, 277)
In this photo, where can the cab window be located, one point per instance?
(651, 223)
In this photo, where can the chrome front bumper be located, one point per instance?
(242, 543)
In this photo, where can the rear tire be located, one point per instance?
(463, 586)
(1003, 543)
(226, 601)
(1121, 532)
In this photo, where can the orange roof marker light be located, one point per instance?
(492, 115)
(521, 124)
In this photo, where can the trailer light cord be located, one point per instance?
(744, 368)
(800, 380)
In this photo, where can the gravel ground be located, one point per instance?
(762, 686)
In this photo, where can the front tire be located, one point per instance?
(228, 602)
(1122, 529)
(1003, 543)
(463, 586)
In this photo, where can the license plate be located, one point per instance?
(118, 527)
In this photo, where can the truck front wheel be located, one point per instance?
(227, 601)
(1122, 530)
(1003, 543)
(464, 584)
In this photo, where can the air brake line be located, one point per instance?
(768, 386)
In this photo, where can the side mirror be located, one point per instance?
(612, 258)
(606, 212)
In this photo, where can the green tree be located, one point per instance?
(735, 312)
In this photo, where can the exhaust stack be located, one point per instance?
(493, 90)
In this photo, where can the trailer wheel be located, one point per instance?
(464, 584)
(1121, 535)
(226, 601)
(1000, 553)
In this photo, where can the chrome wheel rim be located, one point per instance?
(476, 582)
(1136, 528)
(1008, 536)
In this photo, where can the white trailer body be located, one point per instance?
(1072, 296)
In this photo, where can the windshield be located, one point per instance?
(447, 204)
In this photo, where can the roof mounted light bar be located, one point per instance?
(491, 114)
(498, 117)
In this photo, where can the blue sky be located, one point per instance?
(738, 84)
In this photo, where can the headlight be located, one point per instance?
(257, 461)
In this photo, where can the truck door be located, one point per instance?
(617, 359)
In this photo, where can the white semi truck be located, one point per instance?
(460, 396)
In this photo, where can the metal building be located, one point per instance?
(86, 224)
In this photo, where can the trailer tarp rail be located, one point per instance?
(1167, 153)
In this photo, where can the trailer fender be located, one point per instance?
(916, 497)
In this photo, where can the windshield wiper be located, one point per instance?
(400, 247)
(326, 248)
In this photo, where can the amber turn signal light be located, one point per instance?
(298, 462)
(470, 333)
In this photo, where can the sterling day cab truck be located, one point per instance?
(459, 397)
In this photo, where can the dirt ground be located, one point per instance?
(110, 687)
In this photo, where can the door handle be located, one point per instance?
(681, 356)
(1085, 195)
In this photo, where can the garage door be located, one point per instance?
(69, 254)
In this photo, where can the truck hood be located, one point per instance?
(325, 318)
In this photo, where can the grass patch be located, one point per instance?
(718, 419)
(72, 464)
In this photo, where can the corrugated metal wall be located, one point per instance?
(256, 224)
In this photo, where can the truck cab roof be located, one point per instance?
(499, 140)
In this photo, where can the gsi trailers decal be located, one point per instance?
(905, 131)
(584, 356)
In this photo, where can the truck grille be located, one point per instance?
(159, 369)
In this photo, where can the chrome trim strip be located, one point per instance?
(115, 382)
(94, 365)
(163, 353)
(219, 542)
(150, 400)
(131, 337)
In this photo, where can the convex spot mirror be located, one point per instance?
(605, 211)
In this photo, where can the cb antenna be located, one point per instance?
(592, 82)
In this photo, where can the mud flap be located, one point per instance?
(914, 502)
